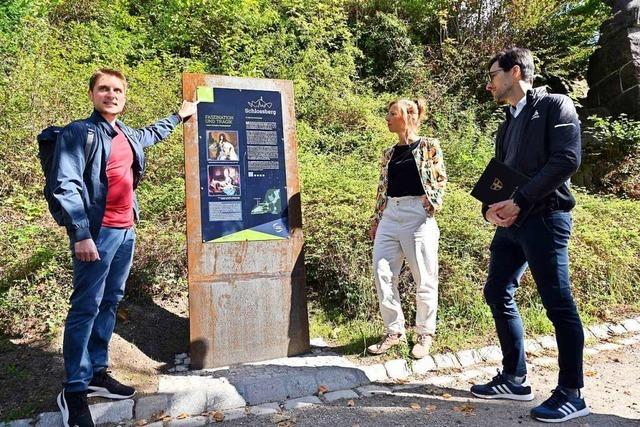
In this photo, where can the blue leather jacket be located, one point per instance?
(80, 186)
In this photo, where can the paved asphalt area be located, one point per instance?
(612, 391)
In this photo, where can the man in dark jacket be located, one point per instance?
(540, 138)
(96, 191)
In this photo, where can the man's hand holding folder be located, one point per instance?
(503, 214)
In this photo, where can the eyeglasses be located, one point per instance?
(493, 73)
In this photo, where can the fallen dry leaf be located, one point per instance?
(278, 418)
(123, 315)
(322, 389)
(414, 405)
(431, 407)
(402, 381)
(467, 409)
(218, 416)
(446, 396)
(140, 423)
(285, 421)
(182, 416)
(590, 373)
(350, 403)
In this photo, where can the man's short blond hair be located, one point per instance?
(106, 72)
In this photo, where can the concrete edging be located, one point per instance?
(200, 397)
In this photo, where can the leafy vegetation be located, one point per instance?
(347, 59)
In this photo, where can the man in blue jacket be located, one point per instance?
(540, 138)
(96, 191)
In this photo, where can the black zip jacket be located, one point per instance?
(549, 153)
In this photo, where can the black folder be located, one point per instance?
(498, 182)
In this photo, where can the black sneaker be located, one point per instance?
(74, 409)
(560, 407)
(501, 388)
(104, 385)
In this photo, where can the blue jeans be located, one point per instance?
(541, 242)
(98, 287)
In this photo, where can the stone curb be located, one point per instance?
(201, 396)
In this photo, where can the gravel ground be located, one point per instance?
(612, 390)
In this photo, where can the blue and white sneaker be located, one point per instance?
(501, 388)
(560, 407)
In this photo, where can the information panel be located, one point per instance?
(245, 258)
(242, 165)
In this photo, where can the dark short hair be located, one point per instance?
(109, 72)
(507, 59)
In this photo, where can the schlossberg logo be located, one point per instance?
(259, 106)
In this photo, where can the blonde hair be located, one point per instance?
(413, 111)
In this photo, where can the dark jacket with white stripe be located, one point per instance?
(549, 152)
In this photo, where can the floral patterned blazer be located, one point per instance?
(428, 156)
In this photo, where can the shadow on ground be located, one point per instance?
(154, 330)
(30, 377)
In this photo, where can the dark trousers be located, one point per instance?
(98, 287)
(541, 242)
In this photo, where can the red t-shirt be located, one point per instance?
(119, 210)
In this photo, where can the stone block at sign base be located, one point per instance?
(148, 407)
(340, 378)
(259, 391)
(112, 412)
(300, 385)
(222, 395)
(192, 402)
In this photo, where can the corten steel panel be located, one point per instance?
(247, 300)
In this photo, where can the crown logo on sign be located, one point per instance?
(497, 185)
(260, 103)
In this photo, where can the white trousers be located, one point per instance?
(405, 231)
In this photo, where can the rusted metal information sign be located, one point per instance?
(247, 297)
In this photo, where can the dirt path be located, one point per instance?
(145, 341)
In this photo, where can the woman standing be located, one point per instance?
(412, 182)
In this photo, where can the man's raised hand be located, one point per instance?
(187, 109)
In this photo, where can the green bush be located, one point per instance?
(347, 61)
(611, 158)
